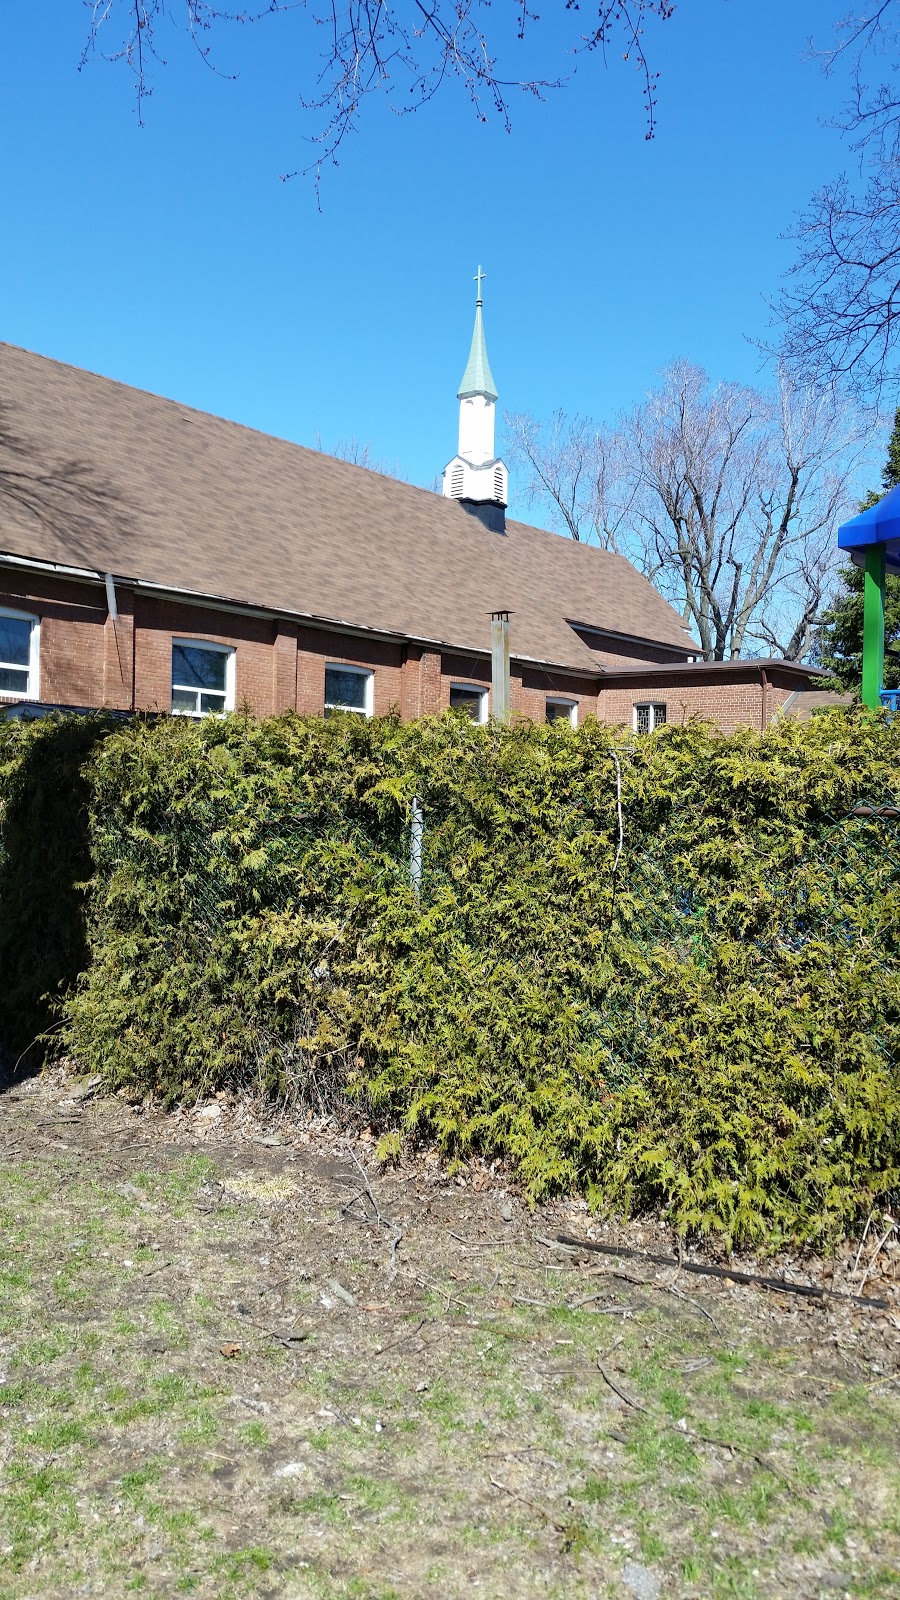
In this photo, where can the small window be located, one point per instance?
(202, 678)
(19, 655)
(473, 701)
(562, 711)
(648, 717)
(348, 689)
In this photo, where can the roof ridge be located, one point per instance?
(327, 537)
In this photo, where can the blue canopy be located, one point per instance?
(879, 525)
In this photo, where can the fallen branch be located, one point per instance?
(878, 1249)
(532, 1504)
(160, 1267)
(383, 1222)
(477, 1244)
(409, 1334)
(628, 1399)
(811, 1291)
(287, 1340)
(669, 1288)
(861, 1243)
(689, 1433)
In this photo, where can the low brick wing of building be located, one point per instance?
(155, 558)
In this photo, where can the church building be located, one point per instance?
(156, 558)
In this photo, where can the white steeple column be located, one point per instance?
(475, 474)
(476, 428)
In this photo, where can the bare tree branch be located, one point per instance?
(576, 468)
(405, 51)
(841, 307)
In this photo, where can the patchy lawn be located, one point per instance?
(222, 1375)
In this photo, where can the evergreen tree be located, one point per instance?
(840, 648)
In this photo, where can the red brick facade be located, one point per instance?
(749, 699)
(87, 659)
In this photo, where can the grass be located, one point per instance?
(429, 1443)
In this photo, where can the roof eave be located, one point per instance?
(719, 669)
(162, 591)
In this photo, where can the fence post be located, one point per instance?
(416, 836)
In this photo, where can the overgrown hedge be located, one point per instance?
(696, 1012)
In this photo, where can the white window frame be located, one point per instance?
(33, 692)
(569, 706)
(360, 672)
(230, 654)
(652, 706)
(479, 689)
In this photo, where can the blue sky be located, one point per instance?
(173, 257)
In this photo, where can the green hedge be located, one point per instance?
(697, 1016)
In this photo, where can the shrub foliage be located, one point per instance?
(658, 972)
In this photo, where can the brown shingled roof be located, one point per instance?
(803, 703)
(96, 474)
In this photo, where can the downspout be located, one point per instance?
(113, 609)
(764, 700)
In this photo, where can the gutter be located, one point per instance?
(161, 591)
(745, 668)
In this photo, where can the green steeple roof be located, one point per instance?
(477, 378)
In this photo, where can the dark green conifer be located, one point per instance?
(840, 648)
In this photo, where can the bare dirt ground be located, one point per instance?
(238, 1359)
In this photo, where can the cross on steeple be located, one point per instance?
(479, 279)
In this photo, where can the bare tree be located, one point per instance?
(405, 51)
(576, 469)
(841, 308)
(359, 454)
(727, 498)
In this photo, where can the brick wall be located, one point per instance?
(86, 659)
(158, 622)
(729, 702)
(74, 636)
(531, 688)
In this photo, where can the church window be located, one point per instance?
(202, 678)
(467, 697)
(349, 689)
(19, 655)
(648, 717)
(559, 710)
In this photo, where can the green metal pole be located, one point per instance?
(873, 626)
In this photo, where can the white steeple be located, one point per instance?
(475, 475)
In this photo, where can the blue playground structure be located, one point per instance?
(873, 541)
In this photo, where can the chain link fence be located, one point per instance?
(840, 885)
